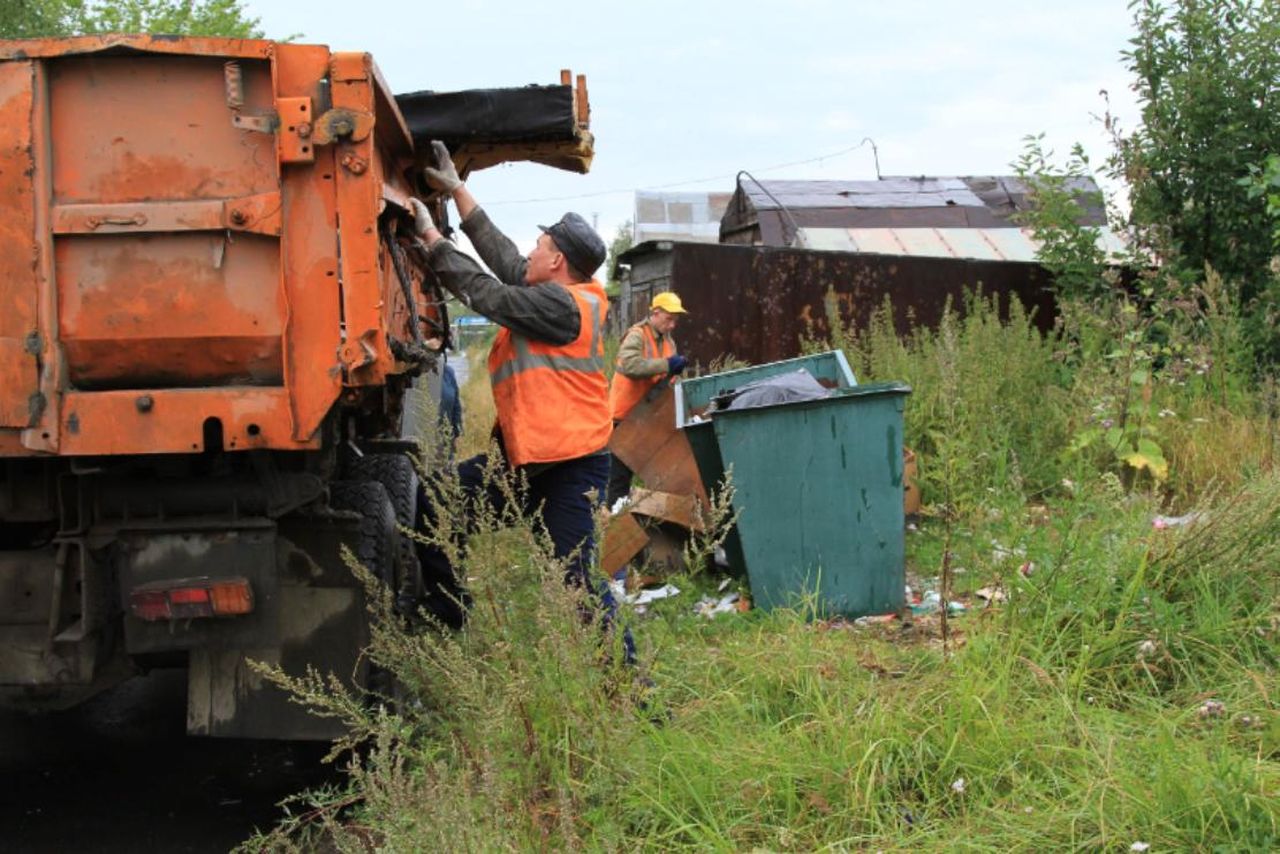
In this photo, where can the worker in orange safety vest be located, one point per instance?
(646, 356)
(547, 370)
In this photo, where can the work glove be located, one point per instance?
(421, 217)
(676, 363)
(444, 177)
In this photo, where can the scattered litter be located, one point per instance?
(620, 505)
(990, 594)
(724, 584)
(1161, 523)
(957, 785)
(1001, 552)
(721, 558)
(1212, 709)
(727, 604)
(1027, 569)
(618, 587)
(644, 597)
(1140, 846)
(932, 601)
(1147, 648)
(875, 619)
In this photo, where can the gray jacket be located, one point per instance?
(543, 311)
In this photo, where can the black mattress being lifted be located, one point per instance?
(525, 114)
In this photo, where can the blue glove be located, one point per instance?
(676, 363)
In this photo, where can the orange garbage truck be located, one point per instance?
(210, 333)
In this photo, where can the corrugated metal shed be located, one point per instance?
(755, 302)
(981, 244)
(679, 216)
(771, 213)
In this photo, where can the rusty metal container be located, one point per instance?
(173, 258)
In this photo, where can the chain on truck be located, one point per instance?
(211, 340)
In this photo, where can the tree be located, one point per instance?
(1206, 73)
(1264, 183)
(1068, 249)
(622, 241)
(30, 18)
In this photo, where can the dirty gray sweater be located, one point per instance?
(543, 311)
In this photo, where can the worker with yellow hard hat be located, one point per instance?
(646, 356)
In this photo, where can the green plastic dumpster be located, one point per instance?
(818, 486)
(693, 396)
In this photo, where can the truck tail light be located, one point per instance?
(149, 604)
(231, 597)
(189, 598)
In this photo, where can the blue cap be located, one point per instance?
(579, 243)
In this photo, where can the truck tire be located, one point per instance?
(376, 544)
(395, 472)
(377, 548)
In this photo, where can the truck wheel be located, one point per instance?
(377, 547)
(400, 479)
(376, 543)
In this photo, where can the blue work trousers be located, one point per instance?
(564, 498)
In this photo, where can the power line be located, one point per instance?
(691, 181)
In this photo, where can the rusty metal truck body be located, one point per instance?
(208, 328)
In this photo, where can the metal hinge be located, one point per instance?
(290, 121)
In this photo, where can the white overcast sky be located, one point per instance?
(683, 91)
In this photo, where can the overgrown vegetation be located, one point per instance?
(623, 239)
(1110, 487)
(1124, 691)
(1206, 73)
(34, 18)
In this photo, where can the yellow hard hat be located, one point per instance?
(667, 301)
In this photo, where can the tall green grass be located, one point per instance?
(1001, 414)
(989, 396)
(1081, 714)
(1125, 690)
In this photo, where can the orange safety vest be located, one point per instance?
(552, 400)
(626, 392)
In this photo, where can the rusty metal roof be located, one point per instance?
(888, 193)
(998, 196)
(982, 244)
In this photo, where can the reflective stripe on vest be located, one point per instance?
(553, 400)
(625, 392)
(525, 360)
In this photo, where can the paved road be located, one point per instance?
(120, 775)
